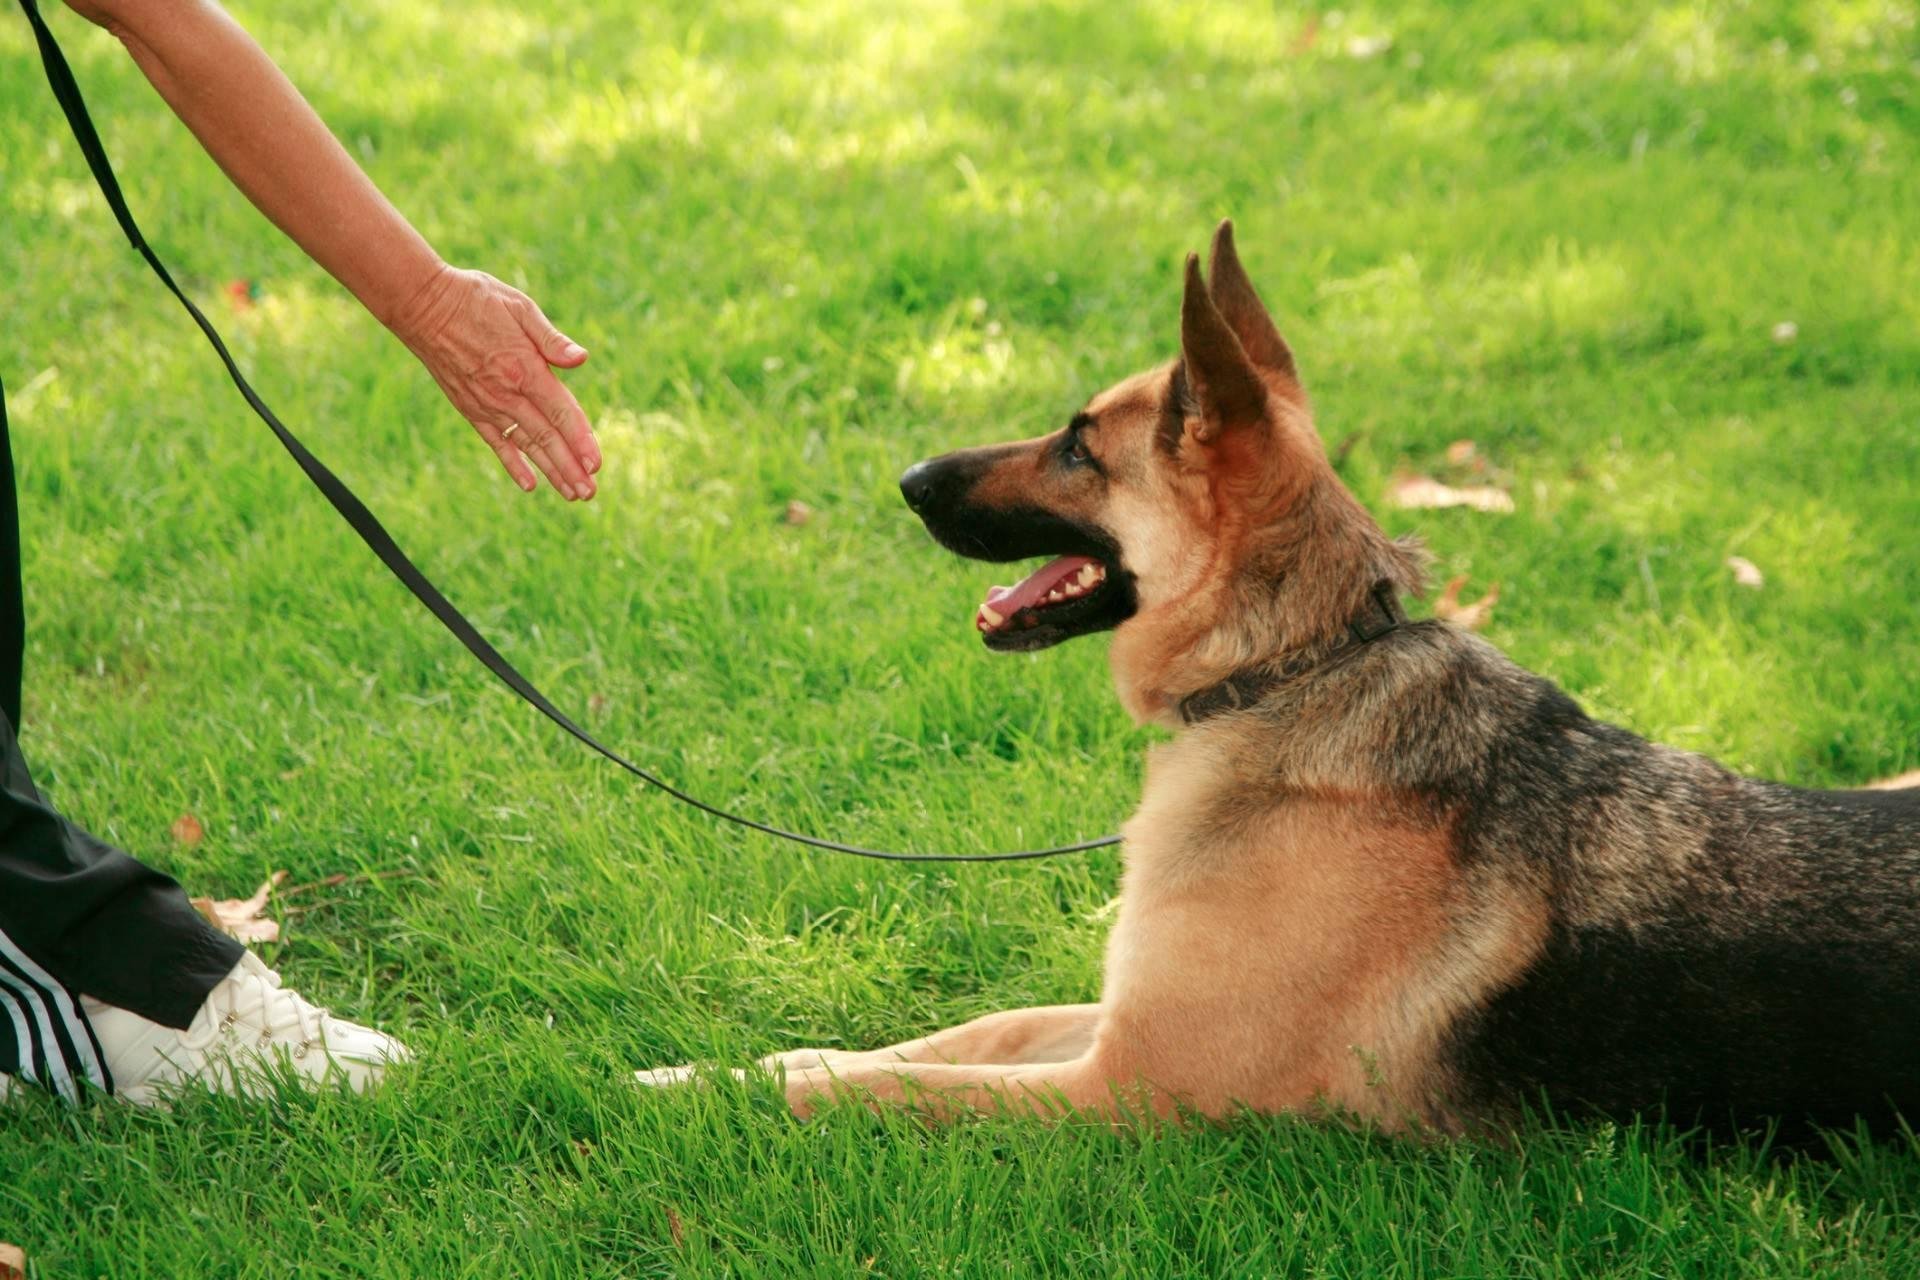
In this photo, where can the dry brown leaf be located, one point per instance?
(596, 703)
(1307, 37)
(798, 513)
(187, 830)
(240, 917)
(1472, 617)
(1909, 779)
(1414, 493)
(13, 1262)
(1746, 572)
(674, 1228)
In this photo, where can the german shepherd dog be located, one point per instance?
(1380, 868)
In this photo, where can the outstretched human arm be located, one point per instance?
(486, 344)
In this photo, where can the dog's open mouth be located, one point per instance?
(1062, 598)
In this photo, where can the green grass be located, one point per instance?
(809, 244)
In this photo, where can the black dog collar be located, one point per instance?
(1381, 614)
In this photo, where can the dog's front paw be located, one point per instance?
(668, 1077)
(665, 1077)
(805, 1073)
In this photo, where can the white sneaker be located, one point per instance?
(250, 1031)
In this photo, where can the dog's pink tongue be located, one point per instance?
(1032, 589)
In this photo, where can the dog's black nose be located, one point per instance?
(916, 484)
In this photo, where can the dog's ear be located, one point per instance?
(1245, 314)
(1226, 390)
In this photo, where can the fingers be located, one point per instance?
(556, 346)
(555, 401)
(547, 447)
(559, 408)
(507, 452)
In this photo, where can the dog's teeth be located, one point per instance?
(988, 616)
(1090, 574)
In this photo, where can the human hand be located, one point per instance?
(489, 348)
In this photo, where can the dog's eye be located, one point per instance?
(1077, 450)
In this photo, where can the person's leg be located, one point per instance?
(77, 915)
(44, 1036)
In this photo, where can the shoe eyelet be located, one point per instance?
(300, 1050)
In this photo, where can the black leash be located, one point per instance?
(355, 512)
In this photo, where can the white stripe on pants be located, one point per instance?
(45, 999)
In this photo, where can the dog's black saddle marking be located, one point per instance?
(1381, 614)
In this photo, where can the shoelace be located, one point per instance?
(277, 1008)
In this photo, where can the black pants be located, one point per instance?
(77, 915)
